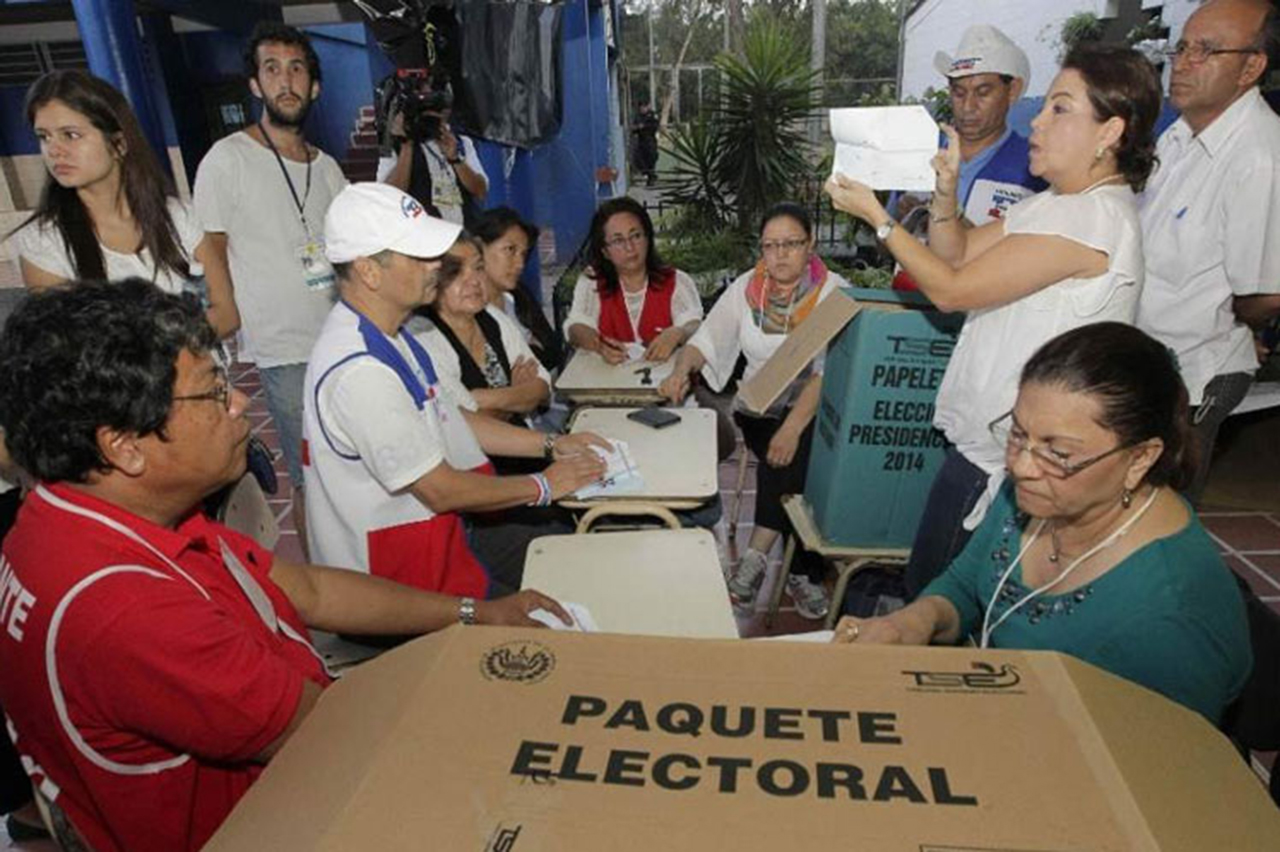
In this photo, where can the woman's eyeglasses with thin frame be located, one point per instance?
(1002, 431)
(634, 238)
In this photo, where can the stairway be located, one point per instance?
(361, 162)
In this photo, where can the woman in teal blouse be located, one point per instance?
(1089, 549)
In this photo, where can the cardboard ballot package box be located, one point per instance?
(875, 452)
(522, 740)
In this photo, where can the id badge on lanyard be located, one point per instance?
(317, 272)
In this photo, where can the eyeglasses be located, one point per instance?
(1197, 53)
(620, 241)
(221, 393)
(1054, 464)
(782, 246)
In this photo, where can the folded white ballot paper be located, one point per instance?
(621, 476)
(886, 147)
(582, 619)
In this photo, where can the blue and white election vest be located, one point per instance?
(1002, 182)
(353, 521)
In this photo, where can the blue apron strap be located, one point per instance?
(381, 348)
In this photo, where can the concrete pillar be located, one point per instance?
(109, 31)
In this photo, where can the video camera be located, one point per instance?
(412, 94)
(419, 37)
(465, 55)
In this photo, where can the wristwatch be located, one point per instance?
(467, 611)
(883, 232)
(455, 161)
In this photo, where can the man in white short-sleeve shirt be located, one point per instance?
(1209, 213)
(261, 195)
(390, 458)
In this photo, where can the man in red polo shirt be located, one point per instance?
(151, 660)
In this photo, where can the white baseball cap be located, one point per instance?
(984, 50)
(367, 218)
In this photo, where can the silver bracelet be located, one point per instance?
(935, 219)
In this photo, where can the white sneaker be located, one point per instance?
(744, 584)
(810, 598)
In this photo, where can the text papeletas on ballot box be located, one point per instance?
(516, 740)
(875, 451)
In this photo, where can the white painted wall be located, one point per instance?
(1033, 24)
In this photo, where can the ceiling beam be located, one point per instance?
(239, 16)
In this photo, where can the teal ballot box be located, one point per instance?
(875, 451)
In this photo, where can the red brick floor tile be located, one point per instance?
(289, 547)
(1269, 564)
(1245, 533)
(1260, 584)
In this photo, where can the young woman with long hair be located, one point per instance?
(108, 210)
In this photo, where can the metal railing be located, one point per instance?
(834, 230)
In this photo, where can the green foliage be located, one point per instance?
(703, 251)
(871, 277)
(708, 255)
(862, 39)
(562, 293)
(1149, 30)
(1079, 28)
(693, 181)
(766, 98)
(883, 95)
(752, 150)
(938, 102)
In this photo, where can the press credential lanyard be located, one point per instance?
(306, 193)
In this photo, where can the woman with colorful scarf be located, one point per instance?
(629, 305)
(752, 318)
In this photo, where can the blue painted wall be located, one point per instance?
(15, 134)
(347, 84)
(554, 186)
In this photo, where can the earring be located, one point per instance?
(1126, 498)
(1099, 153)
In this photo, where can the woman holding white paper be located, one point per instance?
(752, 318)
(1063, 258)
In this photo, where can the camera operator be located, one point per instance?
(438, 168)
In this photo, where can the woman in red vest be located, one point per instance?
(629, 305)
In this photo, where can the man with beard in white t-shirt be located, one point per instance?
(261, 195)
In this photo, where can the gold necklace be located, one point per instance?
(1095, 185)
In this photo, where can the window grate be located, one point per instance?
(22, 64)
